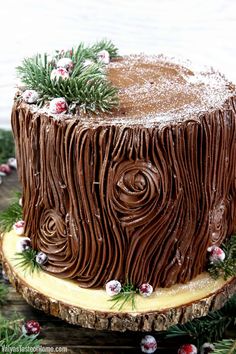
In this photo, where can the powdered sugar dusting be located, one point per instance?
(158, 90)
(155, 90)
(200, 282)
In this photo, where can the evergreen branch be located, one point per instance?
(230, 247)
(8, 325)
(10, 336)
(12, 325)
(209, 328)
(127, 294)
(3, 293)
(105, 45)
(226, 268)
(27, 260)
(81, 53)
(10, 215)
(226, 346)
(87, 87)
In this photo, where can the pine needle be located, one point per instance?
(127, 294)
(226, 268)
(3, 293)
(11, 336)
(10, 215)
(87, 89)
(226, 346)
(27, 261)
(209, 328)
(105, 45)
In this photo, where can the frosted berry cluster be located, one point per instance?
(24, 244)
(216, 254)
(62, 71)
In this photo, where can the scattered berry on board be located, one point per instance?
(19, 227)
(113, 287)
(23, 244)
(187, 349)
(146, 290)
(41, 258)
(216, 254)
(31, 327)
(148, 344)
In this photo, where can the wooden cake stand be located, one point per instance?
(90, 307)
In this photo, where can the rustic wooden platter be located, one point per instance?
(92, 309)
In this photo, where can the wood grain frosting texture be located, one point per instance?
(114, 201)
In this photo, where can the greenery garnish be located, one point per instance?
(11, 336)
(3, 293)
(107, 45)
(226, 268)
(209, 328)
(27, 260)
(226, 346)
(10, 215)
(83, 52)
(87, 89)
(127, 294)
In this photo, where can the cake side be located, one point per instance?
(111, 201)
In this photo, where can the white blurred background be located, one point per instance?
(201, 30)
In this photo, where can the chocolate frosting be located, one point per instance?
(106, 200)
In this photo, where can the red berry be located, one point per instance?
(31, 327)
(58, 105)
(216, 254)
(145, 290)
(187, 349)
(5, 169)
(148, 344)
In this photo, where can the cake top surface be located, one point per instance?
(154, 90)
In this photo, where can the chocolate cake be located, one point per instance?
(139, 194)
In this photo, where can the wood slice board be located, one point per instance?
(91, 308)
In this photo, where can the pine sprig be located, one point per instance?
(87, 88)
(126, 295)
(226, 346)
(209, 328)
(11, 325)
(226, 268)
(81, 52)
(11, 336)
(27, 261)
(3, 293)
(10, 215)
(105, 45)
